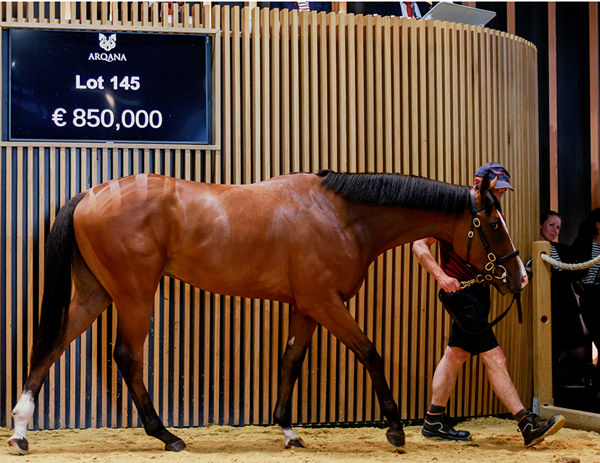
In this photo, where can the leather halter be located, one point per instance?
(494, 263)
(489, 272)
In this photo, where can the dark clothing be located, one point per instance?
(589, 291)
(385, 8)
(567, 330)
(571, 349)
(470, 308)
(590, 311)
(314, 6)
(453, 265)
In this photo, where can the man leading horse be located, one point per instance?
(471, 334)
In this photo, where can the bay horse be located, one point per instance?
(302, 239)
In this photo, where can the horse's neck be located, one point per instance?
(389, 227)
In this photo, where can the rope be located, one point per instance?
(557, 263)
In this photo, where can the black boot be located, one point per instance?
(535, 429)
(434, 427)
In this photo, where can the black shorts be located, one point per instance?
(470, 308)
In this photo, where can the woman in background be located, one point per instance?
(568, 335)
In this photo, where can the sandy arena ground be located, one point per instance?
(495, 440)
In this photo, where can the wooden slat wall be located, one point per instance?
(553, 106)
(300, 91)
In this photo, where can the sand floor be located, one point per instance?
(495, 440)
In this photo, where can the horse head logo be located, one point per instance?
(107, 43)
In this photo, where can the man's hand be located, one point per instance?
(449, 284)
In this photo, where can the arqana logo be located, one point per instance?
(107, 43)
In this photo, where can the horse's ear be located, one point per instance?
(486, 185)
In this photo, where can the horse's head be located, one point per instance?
(489, 248)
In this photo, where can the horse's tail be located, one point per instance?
(57, 282)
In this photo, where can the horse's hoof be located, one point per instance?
(396, 437)
(176, 446)
(297, 442)
(21, 446)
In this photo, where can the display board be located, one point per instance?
(104, 86)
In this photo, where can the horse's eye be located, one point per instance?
(495, 225)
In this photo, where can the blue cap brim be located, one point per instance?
(503, 184)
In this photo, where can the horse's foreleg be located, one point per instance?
(301, 331)
(134, 322)
(340, 323)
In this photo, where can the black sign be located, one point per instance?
(108, 86)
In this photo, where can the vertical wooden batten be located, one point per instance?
(553, 106)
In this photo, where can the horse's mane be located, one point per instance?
(398, 190)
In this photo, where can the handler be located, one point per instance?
(471, 306)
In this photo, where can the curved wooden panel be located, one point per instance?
(298, 91)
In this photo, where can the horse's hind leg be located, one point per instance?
(301, 331)
(133, 326)
(88, 302)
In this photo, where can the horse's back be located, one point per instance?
(249, 240)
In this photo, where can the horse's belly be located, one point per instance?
(233, 279)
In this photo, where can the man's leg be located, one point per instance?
(446, 374)
(533, 428)
(444, 382)
(495, 365)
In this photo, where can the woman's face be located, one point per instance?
(550, 229)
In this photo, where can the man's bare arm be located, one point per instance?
(422, 250)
